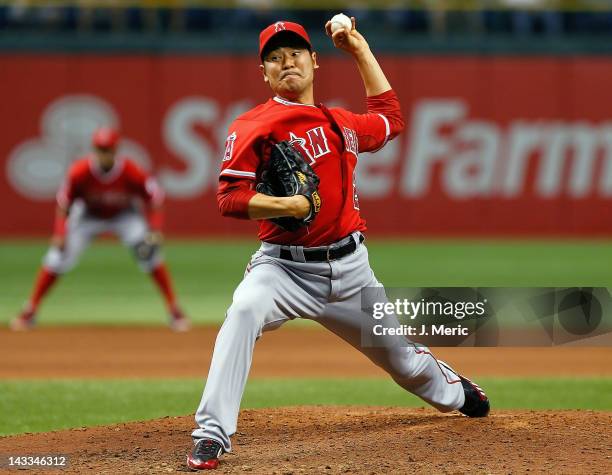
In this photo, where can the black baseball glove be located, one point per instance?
(288, 174)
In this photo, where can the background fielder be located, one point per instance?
(103, 193)
(318, 271)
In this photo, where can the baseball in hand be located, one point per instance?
(340, 21)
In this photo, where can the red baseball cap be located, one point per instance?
(268, 33)
(105, 137)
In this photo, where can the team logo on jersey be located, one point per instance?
(350, 140)
(229, 147)
(316, 146)
(279, 26)
(318, 142)
(296, 141)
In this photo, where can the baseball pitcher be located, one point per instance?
(289, 163)
(105, 193)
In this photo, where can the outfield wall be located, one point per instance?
(494, 145)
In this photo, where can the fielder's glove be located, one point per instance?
(149, 246)
(288, 174)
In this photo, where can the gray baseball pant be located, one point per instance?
(275, 290)
(130, 226)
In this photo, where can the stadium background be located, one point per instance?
(502, 178)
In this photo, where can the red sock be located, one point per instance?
(44, 281)
(162, 278)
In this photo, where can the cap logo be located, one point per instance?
(279, 26)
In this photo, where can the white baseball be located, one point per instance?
(341, 21)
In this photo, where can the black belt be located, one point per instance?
(323, 254)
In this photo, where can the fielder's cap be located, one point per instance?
(105, 137)
(282, 27)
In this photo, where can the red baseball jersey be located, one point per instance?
(106, 194)
(329, 139)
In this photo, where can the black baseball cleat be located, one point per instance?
(476, 401)
(205, 455)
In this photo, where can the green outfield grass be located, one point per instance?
(108, 288)
(39, 406)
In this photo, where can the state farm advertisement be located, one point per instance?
(493, 146)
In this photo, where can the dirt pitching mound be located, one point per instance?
(317, 439)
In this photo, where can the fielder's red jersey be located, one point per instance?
(329, 139)
(106, 194)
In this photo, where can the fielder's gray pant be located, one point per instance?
(276, 290)
(81, 228)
